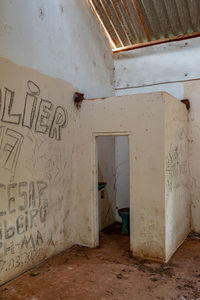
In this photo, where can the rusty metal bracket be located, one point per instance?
(78, 99)
(187, 103)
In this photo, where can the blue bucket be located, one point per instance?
(125, 215)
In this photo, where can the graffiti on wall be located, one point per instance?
(10, 146)
(24, 204)
(25, 210)
(176, 164)
(38, 114)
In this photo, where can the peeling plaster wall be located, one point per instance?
(59, 38)
(173, 68)
(177, 188)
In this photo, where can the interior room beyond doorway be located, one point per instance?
(113, 185)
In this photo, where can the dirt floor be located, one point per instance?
(110, 272)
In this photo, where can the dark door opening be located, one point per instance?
(113, 186)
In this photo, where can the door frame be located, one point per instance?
(95, 213)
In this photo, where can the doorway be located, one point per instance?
(113, 185)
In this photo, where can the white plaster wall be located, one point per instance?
(173, 68)
(122, 173)
(106, 165)
(175, 89)
(62, 39)
(141, 116)
(159, 196)
(160, 64)
(177, 188)
(59, 38)
(37, 173)
(192, 92)
(47, 181)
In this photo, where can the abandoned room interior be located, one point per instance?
(99, 149)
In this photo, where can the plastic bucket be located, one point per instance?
(124, 214)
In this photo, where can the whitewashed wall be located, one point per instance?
(59, 38)
(142, 117)
(37, 185)
(158, 68)
(177, 187)
(48, 162)
(192, 92)
(139, 117)
(173, 68)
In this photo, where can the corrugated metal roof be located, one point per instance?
(136, 23)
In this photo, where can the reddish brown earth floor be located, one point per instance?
(110, 272)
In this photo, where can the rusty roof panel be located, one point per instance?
(132, 22)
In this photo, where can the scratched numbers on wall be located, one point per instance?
(25, 203)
